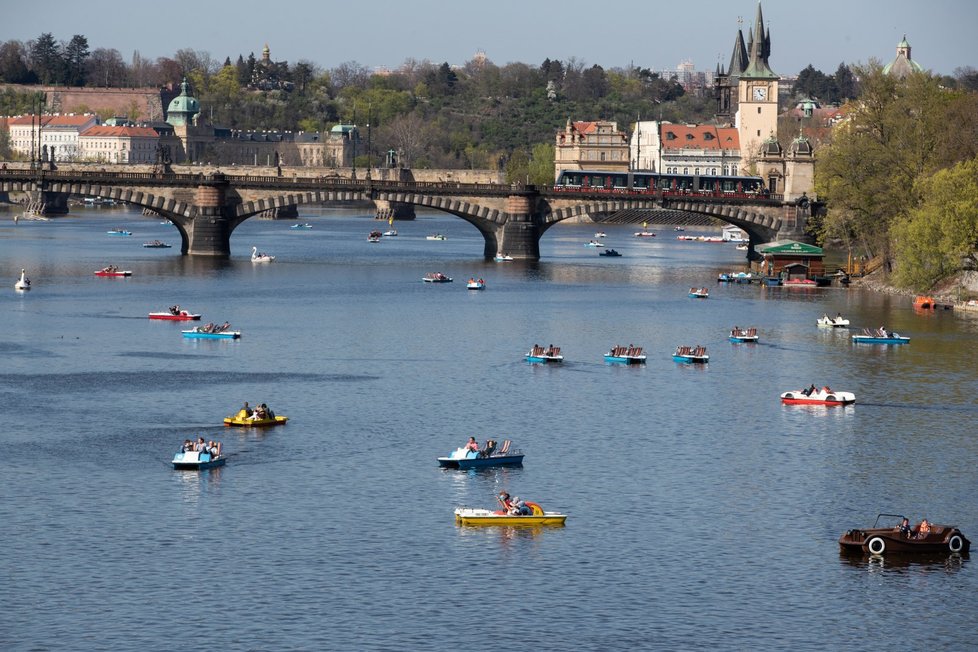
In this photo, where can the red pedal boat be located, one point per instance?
(112, 270)
(176, 313)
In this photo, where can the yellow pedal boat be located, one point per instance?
(475, 516)
(241, 419)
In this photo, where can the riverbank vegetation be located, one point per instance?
(896, 178)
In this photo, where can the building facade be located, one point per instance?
(109, 144)
(591, 146)
(58, 133)
(685, 149)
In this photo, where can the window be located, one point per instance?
(696, 171)
(685, 170)
(602, 156)
(758, 110)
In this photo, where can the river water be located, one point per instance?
(703, 513)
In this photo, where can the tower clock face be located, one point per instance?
(760, 93)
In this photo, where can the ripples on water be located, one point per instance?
(703, 514)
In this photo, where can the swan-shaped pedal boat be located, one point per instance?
(23, 283)
(259, 257)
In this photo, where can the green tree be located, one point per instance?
(940, 235)
(75, 58)
(541, 164)
(45, 59)
(13, 64)
(517, 167)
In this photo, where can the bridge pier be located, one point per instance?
(209, 231)
(44, 202)
(388, 210)
(519, 236)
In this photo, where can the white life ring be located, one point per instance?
(876, 545)
(955, 543)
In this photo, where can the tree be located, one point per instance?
(75, 55)
(939, 237)
(845, 84)
(541, 165)
(106, 68)
(518, 167)
(45, 59)
(13, 64)
(408, 134)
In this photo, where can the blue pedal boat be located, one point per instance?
(877, 339)
(742, 335)
(463, 458)
(625, 355)
(689, 354)
(551, 354)
(203, 335)
(197, 461)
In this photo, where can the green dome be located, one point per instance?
(183, 108)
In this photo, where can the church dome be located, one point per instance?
(902, 65)
(183, 107)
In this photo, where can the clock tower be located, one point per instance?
(757, 94)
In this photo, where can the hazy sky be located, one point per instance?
(647, 33)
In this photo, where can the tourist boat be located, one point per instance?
(699, 293)
(259, 257)
(613, 253)
(475, 516)
(436, 277)
(435, 236)
(390, 234)
(374, 236)
(501, 258)
(600, 234)
(690, 354)
(200, 334)
(119, 232)
(879, 336)
(625, 355)
(940, 539)
(550, 354)
(112, 270)
(833, 322)
(474, 284)
(735, 277)
(463, 458)
(644, 234)
(823, 396)
(198, 460)
(156, 244)
(593, 243)
(799, 283)
(304, 225)
(738, 335)
(242, 420)
(23, 284)
(171, 315)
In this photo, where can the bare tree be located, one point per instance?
(105, 67)
(408, 134)
(349, 73)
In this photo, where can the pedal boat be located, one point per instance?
(466, 459)
(435, 236)
(823, 396)
(304, 225)
(502, 258)
(436, 277)
(644, 234)
(23, 284)
(698, 293)
(476, 285)
(240, 419)
(475, 516)
(196, 333)
(549, 355)
(119, 232)
(691, 355)
(625, 355)
(942, 539)
(891, 338)
(156, 244)
(106, 271)
(196, 461)
(832, 322)
(183, 315)
(743, 335)
(610, 252)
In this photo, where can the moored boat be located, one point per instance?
(814, 396)
(691, 354)
(488, 456)
(799, 283)
(625, 355)
(550, 354)
(923, 538)
(112, 270)
(735, 277)
(740, 335)
(23, 283)
(199, 460)
(833, 322)
(156, 244)
(436, 277)
(879, 336)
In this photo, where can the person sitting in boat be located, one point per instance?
(201, 445)
(827, 389)
(505, 502)
(905, 528)
(261, 412)
(223, 327)
(489, 449)
(188, 446)
(520, 508)
(808, 392)
(883, 332)
(923, 529)
(175, 310)
(472, 445)
(246, 410)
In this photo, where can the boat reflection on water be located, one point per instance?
(194, 485)
(941, 563)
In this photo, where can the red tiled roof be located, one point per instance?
(585, 127)
(120, 132)
(699, 137)
(53, 120)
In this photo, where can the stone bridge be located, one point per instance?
(207, 208)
